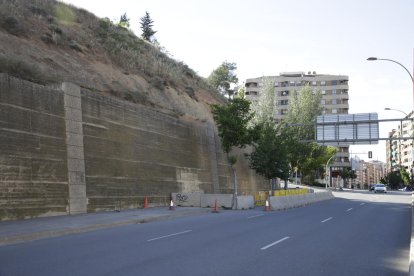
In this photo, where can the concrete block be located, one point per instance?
(223, 200)
(187, 199)
(245, 202)
(71, 89)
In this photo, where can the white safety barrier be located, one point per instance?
(187, 199)
(286, 202)
(223, 200)
(245, 202)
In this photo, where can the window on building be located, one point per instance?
(323, 83)
(298, 83)
(333, 91)
(276, 84)
(292, 83)
(334, 101)
(323, 101)
(334, 111)
(284, 93)
(323, 92)
(314, 83)
(334, 82)
(284, 102)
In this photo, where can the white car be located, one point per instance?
(380, 188)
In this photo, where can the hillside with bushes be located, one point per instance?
(49, 42)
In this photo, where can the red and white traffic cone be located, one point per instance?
(172, 205)
(267, 207)
(215, 209)
(145, 202)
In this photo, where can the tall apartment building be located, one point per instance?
(334, 89)
(400, 152)
(369, 173)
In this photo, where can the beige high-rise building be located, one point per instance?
(334, 90)
(399, 147)
(369, 173)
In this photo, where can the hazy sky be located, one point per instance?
(266, 37)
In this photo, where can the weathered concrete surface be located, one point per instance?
(187, 199)
(223, 200)
(74, 148)
(84, 151)
(33, 159)
(245, 202)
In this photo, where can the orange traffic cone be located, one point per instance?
(172, 205)
(215, 210)
(145, 202)
(267, 208)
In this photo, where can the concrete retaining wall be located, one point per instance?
(286, 202)
(67, 150)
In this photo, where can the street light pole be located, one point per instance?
(394, 61)
(326, 171)
(387, 108)
(412, 81)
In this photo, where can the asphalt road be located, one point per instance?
(354, 234)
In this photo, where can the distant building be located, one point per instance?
(399, 150)
(334, 90)
(369, 173)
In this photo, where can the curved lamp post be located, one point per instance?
(327, 178)
(386, 59)
(375, 58)
(387, 108)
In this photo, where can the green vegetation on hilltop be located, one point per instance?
(68, 28)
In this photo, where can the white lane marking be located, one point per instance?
(363, 203)
(349, 209)
(167, 236)
(255, 216)
(325, 220)
(276, 242)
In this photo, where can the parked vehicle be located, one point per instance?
(380, 188)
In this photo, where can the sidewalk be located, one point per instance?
(38, 228)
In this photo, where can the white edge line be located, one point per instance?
(276, 242)
(255, 216)
(349, 209)
(175, 234)
(325, 220)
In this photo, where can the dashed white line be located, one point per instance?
(363, 203)
(276, 242)
(325, 220)
(349, 209)
(167, 236)
(255, 216)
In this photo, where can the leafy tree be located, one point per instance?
(223, 77)
(146, 27)
(306, 156)
(405, 176)
(347, 173)
(269, 157)
(264, 107)
(124, 21)
(394, 179)
(232, 122)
